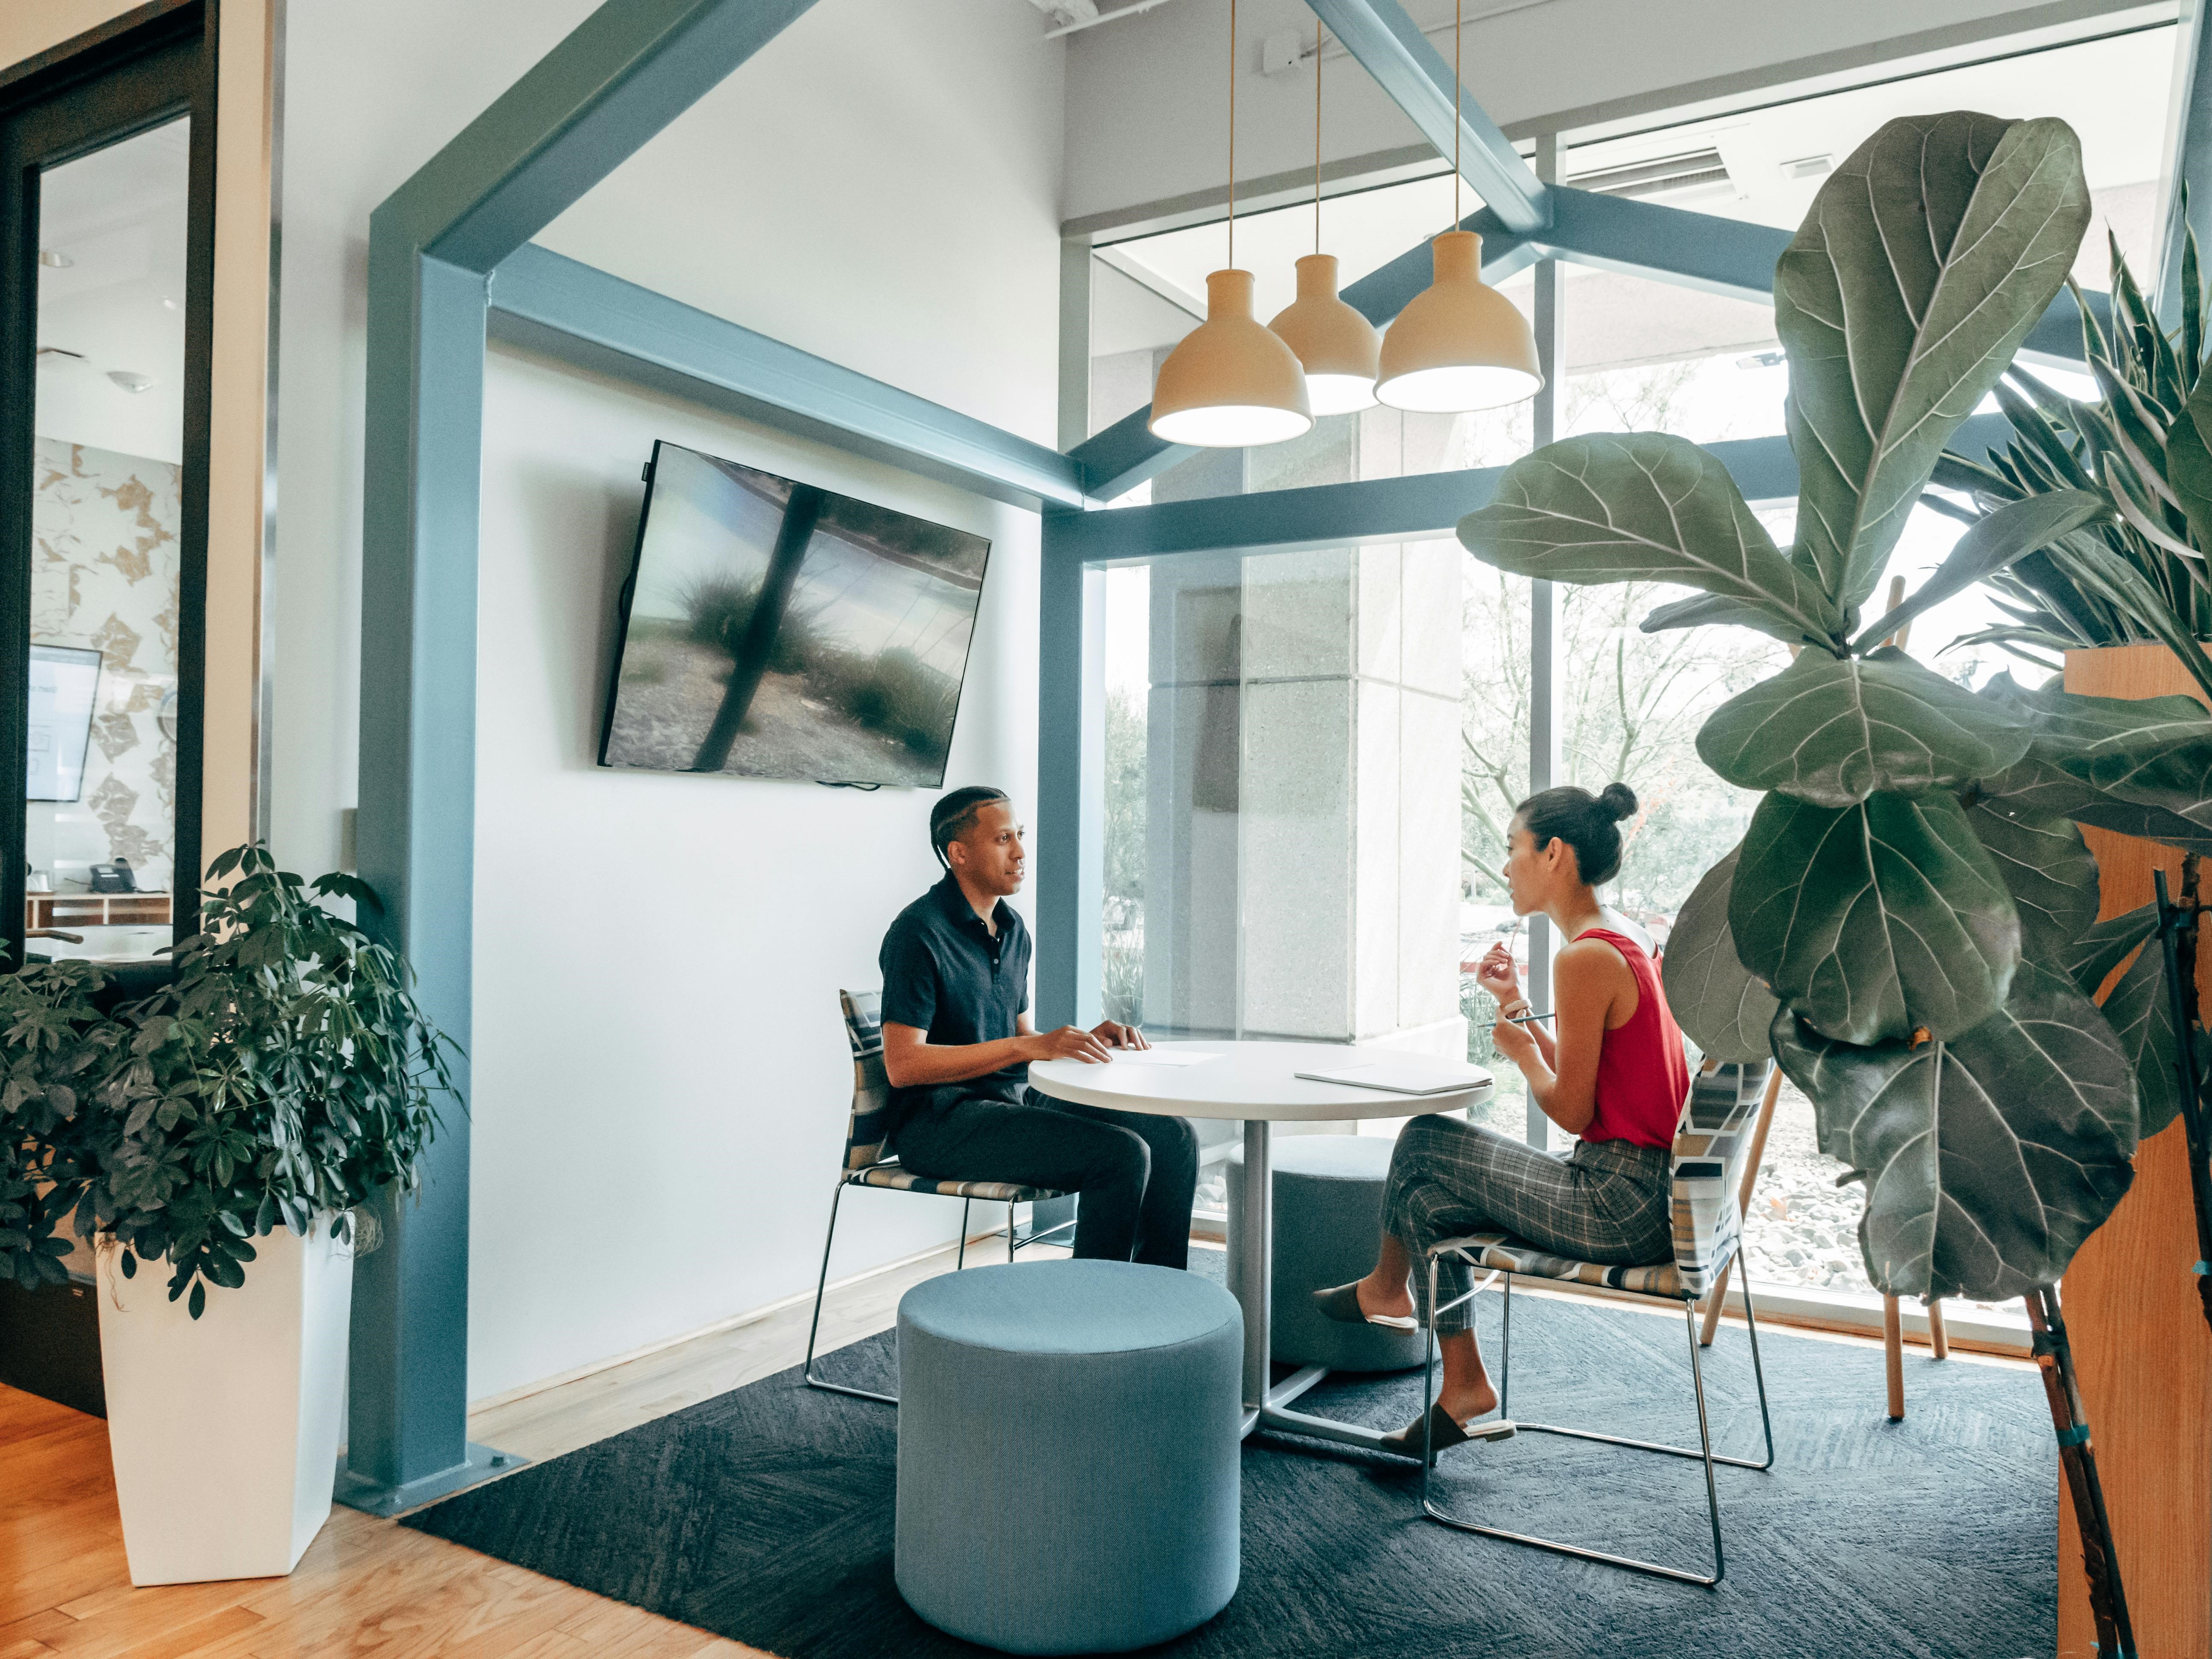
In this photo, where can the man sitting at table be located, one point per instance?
(957, 1044)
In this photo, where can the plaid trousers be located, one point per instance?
(1609, 1202)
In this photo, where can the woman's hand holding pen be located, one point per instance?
(1497, 974)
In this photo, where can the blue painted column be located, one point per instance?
(1070, 817)
(616, 81)
(408, 1368)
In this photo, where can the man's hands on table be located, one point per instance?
(1094, 1047)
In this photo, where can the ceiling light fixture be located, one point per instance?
(1230, 384)
(131, 382)
(1340, 349)
(1461, 345)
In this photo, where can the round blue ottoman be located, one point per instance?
(1328, 1216)
(1067, 1454)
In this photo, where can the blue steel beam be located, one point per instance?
(581, 314)
(581, 111)
(1729, 256)
(1070, 808)
(628, 70)
(1398, 56)
(2189, 154)
(1382, 509)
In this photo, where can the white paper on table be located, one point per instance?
(1158, 1057)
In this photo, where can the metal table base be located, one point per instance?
(1267, 1403)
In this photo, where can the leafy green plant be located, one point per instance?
(2138, 574)
(286, 1073)
(1910, 923)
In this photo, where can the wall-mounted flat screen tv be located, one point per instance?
(65, 689)
(777, 630)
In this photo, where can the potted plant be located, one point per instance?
(1911, 923)
(218, 1134)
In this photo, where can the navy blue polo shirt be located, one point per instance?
(944, 973)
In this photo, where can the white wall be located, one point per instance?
(1147, 96)
(660, 1078)
(662, 1075)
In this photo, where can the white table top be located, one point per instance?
(1246, 1080)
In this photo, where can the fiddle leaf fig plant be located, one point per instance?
(284, 1075)
(1909, 924)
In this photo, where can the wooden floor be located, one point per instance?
(369, 1587)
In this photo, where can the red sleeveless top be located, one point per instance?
(1643, 1074)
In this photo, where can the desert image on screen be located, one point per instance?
(781, 630)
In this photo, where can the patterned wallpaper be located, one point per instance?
(104, 573)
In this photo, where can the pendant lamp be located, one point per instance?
(1230, 384)
(1461, 345)
(1339, 348)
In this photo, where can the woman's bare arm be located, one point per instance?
(1590, 980)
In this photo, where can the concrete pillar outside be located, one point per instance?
(1303, 812)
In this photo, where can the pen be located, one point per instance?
(1524, 1019)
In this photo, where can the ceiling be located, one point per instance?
(1764, 165)
(112, 233)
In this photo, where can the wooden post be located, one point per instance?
(1892, 1355)
(1938, 1338)
(2141, 1348)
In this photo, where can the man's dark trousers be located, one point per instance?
(1136, 1171)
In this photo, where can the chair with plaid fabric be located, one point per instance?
(1709, 1143)
(866, 1165)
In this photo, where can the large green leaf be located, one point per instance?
(1725, 1011)
(2140, 1013)
(1987, 1159)
(1707, 609)
(1875, 921)
(1999, 538)
(2103, 947)
(2048, 871)
(2037, 788)
(2142, 766)
(2189, 461)
(1926, 258)
(1833, 730)
(1614, 506)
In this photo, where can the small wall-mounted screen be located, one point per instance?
(777, 630)
(65, 686)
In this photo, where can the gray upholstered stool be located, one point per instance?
(1329, 1214)
(1067, 1454)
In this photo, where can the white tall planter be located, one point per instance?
(225, 1429)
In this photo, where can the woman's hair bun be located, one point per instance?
(1588, 824)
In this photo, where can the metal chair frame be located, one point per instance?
(853, 1178)
(1703, 1451)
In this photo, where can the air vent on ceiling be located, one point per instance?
(1700, 170)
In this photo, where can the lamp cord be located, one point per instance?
(1458, 7)
(1321, 33)
(1233, 134)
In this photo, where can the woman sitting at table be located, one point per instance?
(1613, 1074)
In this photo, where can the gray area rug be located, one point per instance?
(765, 1515)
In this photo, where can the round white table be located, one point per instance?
(1257, 1083)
